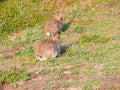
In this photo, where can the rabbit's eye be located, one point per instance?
(61, 19)
(39, 56)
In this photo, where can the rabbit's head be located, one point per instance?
(59, 17)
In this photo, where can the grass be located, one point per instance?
(90, 43)
(91, 85)
(24, 14)
(13, 74)
(89, 38)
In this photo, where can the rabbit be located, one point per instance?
(54, 25)
(48, 48)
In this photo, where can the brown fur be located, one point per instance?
(48, 48)
(55, 24)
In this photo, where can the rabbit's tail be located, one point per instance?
(48, 34)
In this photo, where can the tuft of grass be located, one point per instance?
(76, 72)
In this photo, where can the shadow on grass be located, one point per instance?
(64, 48)
(2, 0)
(66, 26)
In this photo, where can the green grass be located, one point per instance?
(13, 74)
(22, 15)
(26, 52)
(89, 38)
(91, 85)
(90, 42)
(67, 84)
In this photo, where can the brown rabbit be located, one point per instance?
(48, 48)
(54, 25)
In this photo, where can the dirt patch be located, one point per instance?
(26, 85)
(118, 13)
(40, 82)
(112, 5)
(8, 65)
(109, 5)
(9, 53)
(107, 80)
(109, 87)
(17, 34)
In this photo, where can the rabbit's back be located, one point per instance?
(46, 49)
(53, 26)
(44, 45)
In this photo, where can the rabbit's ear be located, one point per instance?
(59, 14)
(54, 34)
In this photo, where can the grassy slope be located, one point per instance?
(91, 43)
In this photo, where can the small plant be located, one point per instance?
(76, 72)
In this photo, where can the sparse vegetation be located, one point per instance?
(13, 75)
(90, 44)
(91, 85)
